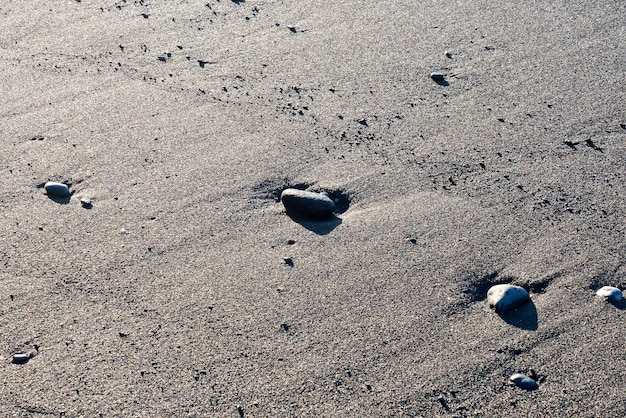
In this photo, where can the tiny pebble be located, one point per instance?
(292, 28)
(288, 261)
(86, 202)
(523, 381)
(20, 358)
(307, 204)
(610, 293)
(504, 297)
(448, 54)
(437, 76)
(57, 189)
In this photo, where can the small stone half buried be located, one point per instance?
(523, 381)
(437, 76)
(504, 297)
(20, 358)
(307, 204)
(57, 189)
(610, 293)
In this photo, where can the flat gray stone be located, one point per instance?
(307, 204)
(504, 297)
(610, 293)
(523, 381)
(57, 189)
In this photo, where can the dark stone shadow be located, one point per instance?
(59, 199)
(621, 305)
(524, 317)
(441, 82)
(321, 226)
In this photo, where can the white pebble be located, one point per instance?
(523, 381)
(504, 297)
(610, 293)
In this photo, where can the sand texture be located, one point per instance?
(185, 290)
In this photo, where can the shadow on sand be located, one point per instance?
(524, 317)
(322, 226)
(60, 200)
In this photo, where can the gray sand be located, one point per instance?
(183, 122)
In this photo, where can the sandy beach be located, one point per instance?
(185, 290)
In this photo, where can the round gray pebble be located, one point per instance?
(610, 293)
(504, 297)
(523, 381)
(57, 189)
(307, 204)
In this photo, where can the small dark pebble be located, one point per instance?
(292, 28)
(288, 261)
(290, 242)
(285, 326)
(240, 411)
(21, 358)
(437, 76)
(501, 119)
(86, 202)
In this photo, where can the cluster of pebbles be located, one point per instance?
(503, 298)
(506, 297)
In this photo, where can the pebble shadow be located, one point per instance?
(319, 226)
(524, 317)
(621, 305)
(60, 200)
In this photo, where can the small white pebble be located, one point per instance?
(610, 293)
(523, 381)
(504, 297)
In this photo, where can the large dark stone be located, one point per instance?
(305, 204)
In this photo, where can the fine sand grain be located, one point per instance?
(183, 121)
